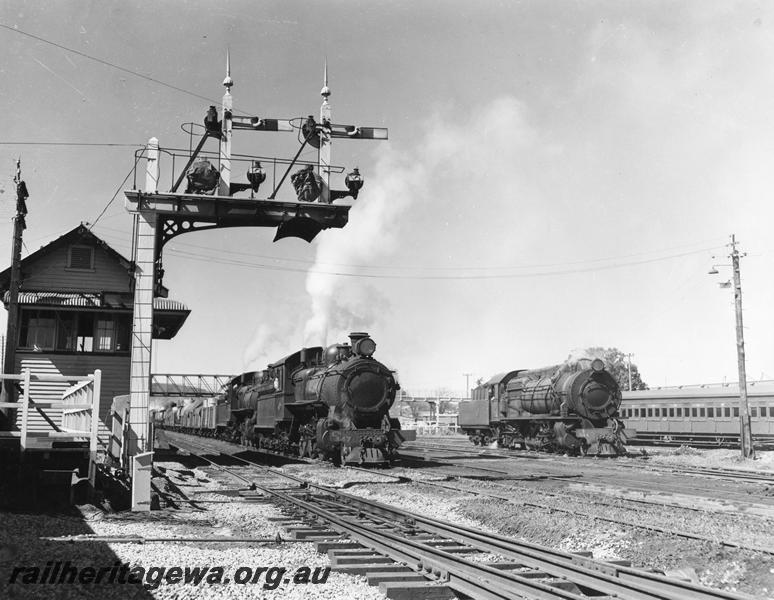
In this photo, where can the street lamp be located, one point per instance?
(745, 431)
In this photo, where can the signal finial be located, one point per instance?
(325, 91)
(228, 82)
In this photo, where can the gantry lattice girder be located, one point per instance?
(182, 213)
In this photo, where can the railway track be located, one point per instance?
(714, 472)
(420, 555)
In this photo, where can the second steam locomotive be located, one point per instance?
(570, 408)
(332, 403)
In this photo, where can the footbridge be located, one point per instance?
(175, 385)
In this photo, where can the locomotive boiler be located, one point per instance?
(570, 408)
(331, 402)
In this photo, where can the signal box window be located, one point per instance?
(80, 257)
(38, 329)
(70, 331)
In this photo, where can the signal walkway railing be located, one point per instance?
(80, 411)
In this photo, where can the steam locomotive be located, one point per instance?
(330, 402)
(572, 408)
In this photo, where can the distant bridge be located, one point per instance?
(188, 385)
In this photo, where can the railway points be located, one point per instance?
(330, 514)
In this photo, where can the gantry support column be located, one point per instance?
(140, 446)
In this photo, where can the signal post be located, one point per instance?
(160, 216)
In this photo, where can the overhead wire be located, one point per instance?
(534, 274)
(96, 144)
(194, 256)
(106, 63)
(435, 268)
(118, 189)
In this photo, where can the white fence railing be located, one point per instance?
(79, 404)
(430, 427)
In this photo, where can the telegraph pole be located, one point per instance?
(748, 451)
(19, 225)
(467, 384)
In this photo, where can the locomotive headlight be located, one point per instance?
(365, 347)
(597, 365)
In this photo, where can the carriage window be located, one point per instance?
(694, 412)
(711, 413)
(679, 412)
(656, 412)
(754, 411)
(702, 412)
(736, 411)
(671, 412)
(650, 412)
(763, 411)
(727, 411)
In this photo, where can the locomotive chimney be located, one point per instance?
(303, 356)
(355, 336)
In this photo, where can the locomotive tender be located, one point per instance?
(330, 402)
(572, 407)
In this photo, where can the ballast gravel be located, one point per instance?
(274, 570)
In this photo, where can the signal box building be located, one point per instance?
(75, 316)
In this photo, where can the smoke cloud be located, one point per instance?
(421, 194)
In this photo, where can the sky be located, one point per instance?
(558, 175)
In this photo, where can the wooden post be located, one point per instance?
(25, 410)
(745, 437)
(224, 185)
(96, 390)
(12, 330)
(325, 141)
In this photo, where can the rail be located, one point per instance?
(177, 159)
(432, 547)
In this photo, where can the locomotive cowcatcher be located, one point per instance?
(572, 408)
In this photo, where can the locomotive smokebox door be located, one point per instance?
(305, 228)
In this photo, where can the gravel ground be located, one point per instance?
(220, 512)
(725, 458)
(711, 564)
(21, 546)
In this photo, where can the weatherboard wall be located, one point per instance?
(50, 272)
(115, 382)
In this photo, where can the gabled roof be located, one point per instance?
(79, 235)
